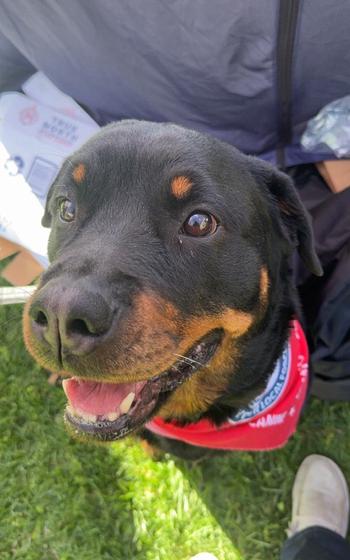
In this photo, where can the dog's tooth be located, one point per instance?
(112, 416)
(126, 403)
(64, 383)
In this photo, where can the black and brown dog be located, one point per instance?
(169, 291)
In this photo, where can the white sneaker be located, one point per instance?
(320, 496)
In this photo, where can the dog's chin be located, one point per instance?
(110, 411)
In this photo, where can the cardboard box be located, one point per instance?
(335, 173)
(23, 268)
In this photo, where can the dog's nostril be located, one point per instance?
(79, 326)
(41, 319)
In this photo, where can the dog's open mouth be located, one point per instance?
(110, 411)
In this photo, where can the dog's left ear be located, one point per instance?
(295, 221)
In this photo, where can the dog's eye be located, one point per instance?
(66, 210)
(200, 224)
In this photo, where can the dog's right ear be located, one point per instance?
(47, 217)
(294, 221)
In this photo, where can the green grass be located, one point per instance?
(60, 499)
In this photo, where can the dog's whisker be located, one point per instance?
(67, 160)
(189, 360)
(70, 162)
(15, 295)
(186, 362)
(26, 289)
(11, 320)
(176, 369)
(17, 340)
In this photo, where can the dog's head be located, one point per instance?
(165, 249)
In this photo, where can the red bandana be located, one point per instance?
(269, 420)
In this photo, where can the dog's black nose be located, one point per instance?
(71, 319)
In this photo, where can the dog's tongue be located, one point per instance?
(97, 398)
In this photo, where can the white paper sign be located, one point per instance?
(39, 88)
(35, 138)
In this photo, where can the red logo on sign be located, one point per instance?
(29, 115)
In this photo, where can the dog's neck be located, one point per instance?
(259, 351)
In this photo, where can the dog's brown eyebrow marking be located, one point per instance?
(181, 186)
(79, 173)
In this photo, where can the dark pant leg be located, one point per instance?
(316, 543)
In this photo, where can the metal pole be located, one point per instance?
(16, 294)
